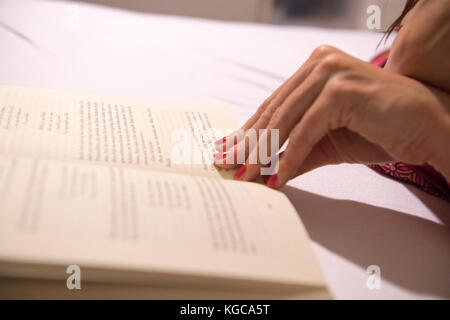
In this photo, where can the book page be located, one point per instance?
(61, 212)
(57, 125)
(13, 288)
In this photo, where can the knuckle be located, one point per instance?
(263, 107)
(323, 50)
(298, 137)
(341, 85)
(265, 117)
(331, 63)
(259, 112)
(337, 85)
(265, 103)
(279, 117)
(343, 97)
(334, 87)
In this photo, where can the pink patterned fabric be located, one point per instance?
(424, 177)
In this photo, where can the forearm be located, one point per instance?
(440, 155)
(421, 48)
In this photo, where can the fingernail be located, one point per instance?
(240, 172)
(220, 156)
(221, 141)
(272, 181)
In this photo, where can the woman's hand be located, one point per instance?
(337, 109)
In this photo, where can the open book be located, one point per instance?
(107, 185)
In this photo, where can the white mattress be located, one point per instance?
(354, 216)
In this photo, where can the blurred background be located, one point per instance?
(322, 13)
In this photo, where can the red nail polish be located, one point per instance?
(220, 156)
(221, 141)
(240, 172)
(272, 181)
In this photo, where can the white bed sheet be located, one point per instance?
(354, 216)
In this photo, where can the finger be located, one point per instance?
(265, 113)
(227, 142)
(317, 56)
(252, 120)
(318, 157)
(287, 116)
(221, 144)
(296, 80)
(237, 154)
(289, 85)
(315, 159)
(233, 147)
(341, 146)
(314, 125)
